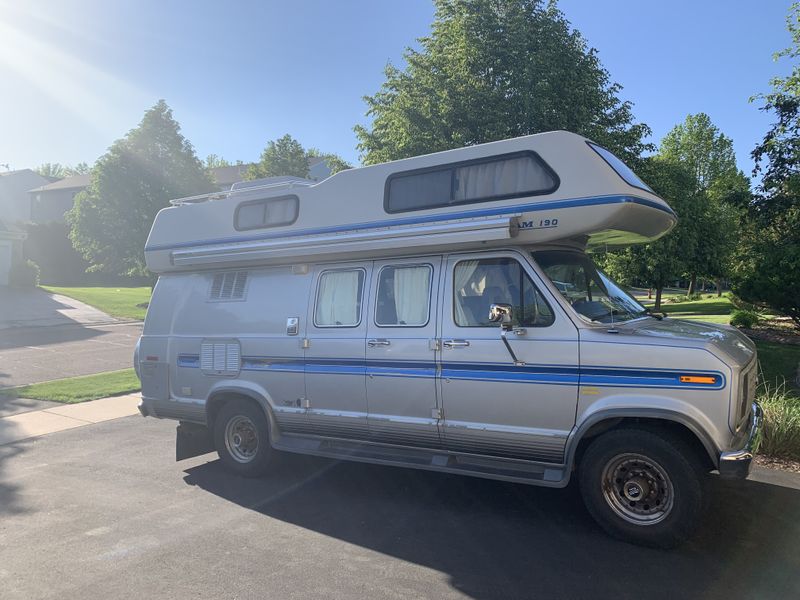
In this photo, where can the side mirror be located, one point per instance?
(501, 313)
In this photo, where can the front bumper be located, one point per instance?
(735, 464)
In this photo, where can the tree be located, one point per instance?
(701, 148)
(215, 162)
(135, 179)
(286, 156)
(59, 171)
(658, 263)
(496, 69)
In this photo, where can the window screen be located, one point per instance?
(270, 212)
(514, 175)
(339, 298)
(403, 296)
(477, 284)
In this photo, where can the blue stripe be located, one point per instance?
(417, 220)
(595, 376)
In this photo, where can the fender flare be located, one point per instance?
(577, 434)
(255, 393)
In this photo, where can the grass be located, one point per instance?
(79, 389)
(710, 309)
(120, 302)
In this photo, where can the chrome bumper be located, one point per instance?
(735, 464)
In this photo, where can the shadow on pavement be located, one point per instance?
(9, 492)
(16, 337)
(502, 540)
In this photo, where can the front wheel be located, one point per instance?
(642, 486)
(241, 436)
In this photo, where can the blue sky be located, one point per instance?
(77, 74)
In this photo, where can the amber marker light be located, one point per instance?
(698, 379)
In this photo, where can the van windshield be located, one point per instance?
(590, 292)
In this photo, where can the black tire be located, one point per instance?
(635, 472)
(246, 419)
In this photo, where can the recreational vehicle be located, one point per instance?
(443, 312)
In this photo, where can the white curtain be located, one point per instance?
(463, 273)
(512, 176)
(339, 295)
(411, 293)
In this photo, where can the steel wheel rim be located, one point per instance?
(638, 489)
(241, 439)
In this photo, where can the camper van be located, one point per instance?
(443, 312)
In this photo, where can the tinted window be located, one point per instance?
(271, 212)
(621, 168)
(403, 296)
(339, 298)
(477, 284)
(521, 174)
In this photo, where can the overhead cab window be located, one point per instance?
(339, 298)
(485, 180)
(403, 296)
(269, 212)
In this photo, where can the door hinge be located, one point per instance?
(436, 413)
(305, 343)
(434, 344)
(303, 402)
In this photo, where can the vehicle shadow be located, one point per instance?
(9, 492)
(503, 540)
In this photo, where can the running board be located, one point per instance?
(432, 460)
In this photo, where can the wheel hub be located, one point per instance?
(637, 488)
(241, 439)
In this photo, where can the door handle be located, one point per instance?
(378, 342)
(455, 343)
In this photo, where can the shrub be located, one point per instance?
(739, 303)
(744, 318)
(24, 274)
(780, 432)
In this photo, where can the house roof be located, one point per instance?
(227, 176)
(73, 182)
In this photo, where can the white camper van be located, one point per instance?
(441, 312)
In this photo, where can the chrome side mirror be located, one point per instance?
(502, 314)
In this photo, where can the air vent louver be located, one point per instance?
(230, 285)
(220, 357)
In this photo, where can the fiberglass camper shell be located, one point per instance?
(441, 312)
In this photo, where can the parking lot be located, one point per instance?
(103, 511)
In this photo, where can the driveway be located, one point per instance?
(38, 308)
(103, 511)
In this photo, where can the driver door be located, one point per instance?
(490, 405)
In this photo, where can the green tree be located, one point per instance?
(491, 70)
(335, 162)
(135, 179)
(214, 162)
(768, 262)
(284, 156)
(657, 264)
(60, 171)
(702, 149)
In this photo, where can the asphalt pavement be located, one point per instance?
(103, 511)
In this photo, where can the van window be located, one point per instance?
(509, 176)
(339, 298)
(620, 167)
(403, 296)
(477, 284)
(269, 212)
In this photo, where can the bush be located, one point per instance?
(744, 318)
(780, 431)
(24, 274)
(739, 303)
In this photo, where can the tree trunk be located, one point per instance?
(692, 284)
(657, 306)
(718, 282)
(649, 293)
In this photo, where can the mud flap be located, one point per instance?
(192, 440)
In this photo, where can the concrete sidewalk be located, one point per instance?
(66, 416)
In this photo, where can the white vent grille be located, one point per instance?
(220, 357)
(230, 285)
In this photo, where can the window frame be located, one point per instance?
(266, 202)
(596, 149)
(452, 167)
(361, 297)
(521, 266)
(378, 289)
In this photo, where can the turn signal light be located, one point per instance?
(698, 379)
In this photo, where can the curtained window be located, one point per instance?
(339, 298)
(403, 296)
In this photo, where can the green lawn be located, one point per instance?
(710, 309)
(120, 302)
(779, 363)
(79, 389)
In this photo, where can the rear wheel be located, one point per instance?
(643, 486)
(241, 436)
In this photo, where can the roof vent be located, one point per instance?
(230, 285)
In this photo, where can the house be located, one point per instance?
(15, 203)
(51, 201)
(11, 239)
